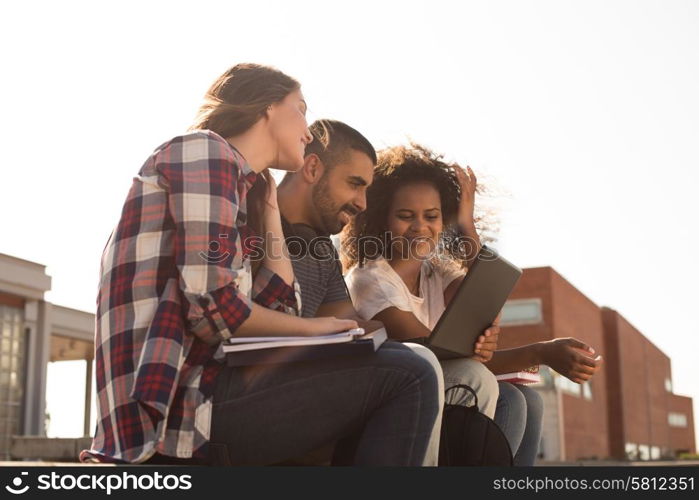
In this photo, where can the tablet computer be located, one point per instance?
(475, 305)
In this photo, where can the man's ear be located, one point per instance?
(312, 169)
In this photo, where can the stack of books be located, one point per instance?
(528, 376)
(245, 351)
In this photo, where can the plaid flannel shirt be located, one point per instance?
(174, 271)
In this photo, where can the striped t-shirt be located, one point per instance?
(316, 266)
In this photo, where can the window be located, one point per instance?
(677, 419)
(567, 385)
(644, 452)
(546, 377)
(655, 453)
(631, 451)
(668, 385)
(521, 312)
(11, 375)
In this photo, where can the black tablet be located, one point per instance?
(476, 304)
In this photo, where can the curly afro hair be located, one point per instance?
(396, 167)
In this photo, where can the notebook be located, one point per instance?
(236, 344)
(262, 353)
(527, 376)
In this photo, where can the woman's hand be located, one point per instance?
(567, 356)
(487, 343)
(276, 255)
(271, 195)
(468, 183)
(325, 326)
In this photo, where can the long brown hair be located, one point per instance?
(233, 104)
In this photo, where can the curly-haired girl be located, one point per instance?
(407, 255)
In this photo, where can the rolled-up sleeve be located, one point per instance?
(205, 182)
(271, 291)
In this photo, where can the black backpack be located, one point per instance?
(470, 438)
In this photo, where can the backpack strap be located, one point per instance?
(464, 387)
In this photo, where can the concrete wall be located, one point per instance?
(22, 278)
(22, 285)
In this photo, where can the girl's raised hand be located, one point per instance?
(468, 183)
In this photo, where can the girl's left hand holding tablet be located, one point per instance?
(487, 343)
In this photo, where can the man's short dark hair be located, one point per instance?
(333, 140)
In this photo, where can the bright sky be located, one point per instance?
(586, 112)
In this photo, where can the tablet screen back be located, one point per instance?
(475, 305)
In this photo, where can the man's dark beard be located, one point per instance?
(327, 210)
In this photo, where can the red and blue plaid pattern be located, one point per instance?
(175, 275)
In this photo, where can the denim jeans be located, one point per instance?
(454, 372)
(388, 401)
(519, 415)
(432, 454)
(468, 371)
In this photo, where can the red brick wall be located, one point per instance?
(632, 366)
(534, 283)
(566, 313)
(639, 386)
(630, 403)
(658, 370)
(682, 438)
(615, 407)
(585, 421)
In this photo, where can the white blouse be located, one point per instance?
(376, 286)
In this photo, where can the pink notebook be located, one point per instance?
(528, 376)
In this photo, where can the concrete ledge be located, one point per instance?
(49, 452)
(38, 463)
(48, 449)
(619, 463)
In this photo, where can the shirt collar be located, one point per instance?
(246, 171)
(302, 230)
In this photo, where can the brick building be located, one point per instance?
(647, 419)
(627, 410)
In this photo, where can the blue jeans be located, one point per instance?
(387, 402)
(473, 373)
(519, 414)
(458, 371)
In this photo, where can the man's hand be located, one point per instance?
(571, 358)
(326, 326)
